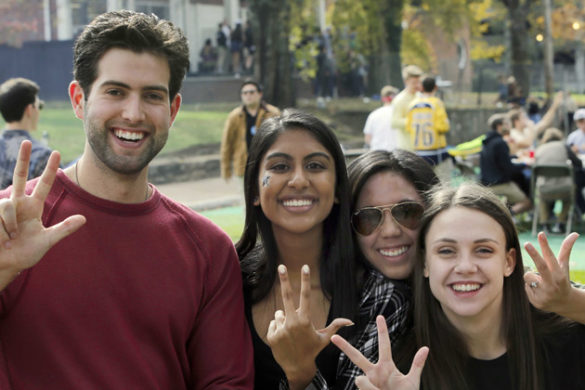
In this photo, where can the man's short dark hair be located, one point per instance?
(496, 120)
(251, 82)
(429, 84)
(133, 31)
(15, 95)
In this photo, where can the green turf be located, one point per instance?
(192, 126)
(231, 220)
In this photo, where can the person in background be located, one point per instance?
(147, 293)
(554, 151)
(241, 125)
(576, 140)
(411, 75)
(249, 48)
(21, 109)
(497, 168)
(208, 57)
(377, 131)
(236, 46)
(427, 124)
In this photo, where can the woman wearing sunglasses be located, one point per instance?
(472, 306)
(297, 214)
(388, 196)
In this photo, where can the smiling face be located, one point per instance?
(127, 114)
(466, 262)
(391, 247)
(296, 183)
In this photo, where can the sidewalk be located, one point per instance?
(203, 194)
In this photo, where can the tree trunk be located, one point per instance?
(379, 74)
(274, 70)
(392, 11)
(519, 43)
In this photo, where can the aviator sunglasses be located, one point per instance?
(408, 214)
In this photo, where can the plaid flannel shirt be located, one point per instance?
(380, 296)
(10, 145)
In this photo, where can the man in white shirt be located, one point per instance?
(378, 134)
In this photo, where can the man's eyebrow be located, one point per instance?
(126, 86)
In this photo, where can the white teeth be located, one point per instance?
(394, 252)
(466, 287)
(129, 135)
(297, 203)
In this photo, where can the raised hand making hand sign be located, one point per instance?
(23, 238)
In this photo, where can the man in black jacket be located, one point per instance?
(497, 167)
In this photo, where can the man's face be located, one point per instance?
(250, 95)
(581, 124)
(127, 114)
(413, 84)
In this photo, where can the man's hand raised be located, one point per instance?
(23, 238)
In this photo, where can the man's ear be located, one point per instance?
(77, 98)
(175, 105)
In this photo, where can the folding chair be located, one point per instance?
(564, 192)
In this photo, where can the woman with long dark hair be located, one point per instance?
(472, 305)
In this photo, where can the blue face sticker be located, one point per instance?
(253, 130)
(265, 181)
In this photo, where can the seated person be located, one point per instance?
(208, 56)
(554, 151)
(497, 168)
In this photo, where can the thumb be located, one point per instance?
(334, 327)
(64, 228)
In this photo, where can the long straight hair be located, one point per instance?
(257, 248)
(446, 365)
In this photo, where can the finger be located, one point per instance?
(565, 251)
(279, 317)
(271, 329)
(46, 180)
(64, 228)
(8, 216)
(333, 328)
(385, 350)
(286, 292)
(20, 174)
(539, 262)
(305, 301)
(363, 383)
(418, 363)
(352, 353)
(547, 253)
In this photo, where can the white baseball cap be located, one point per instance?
(579, 114)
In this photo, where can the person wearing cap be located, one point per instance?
(20, 107)
(411, 75)
(576, 140)
(378, 134)
(497, 168)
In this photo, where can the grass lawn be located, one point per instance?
(231, 220)
(193, 125)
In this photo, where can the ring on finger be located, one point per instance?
(533, 284)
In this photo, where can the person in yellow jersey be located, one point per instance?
(411, 74)
(427, 124)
